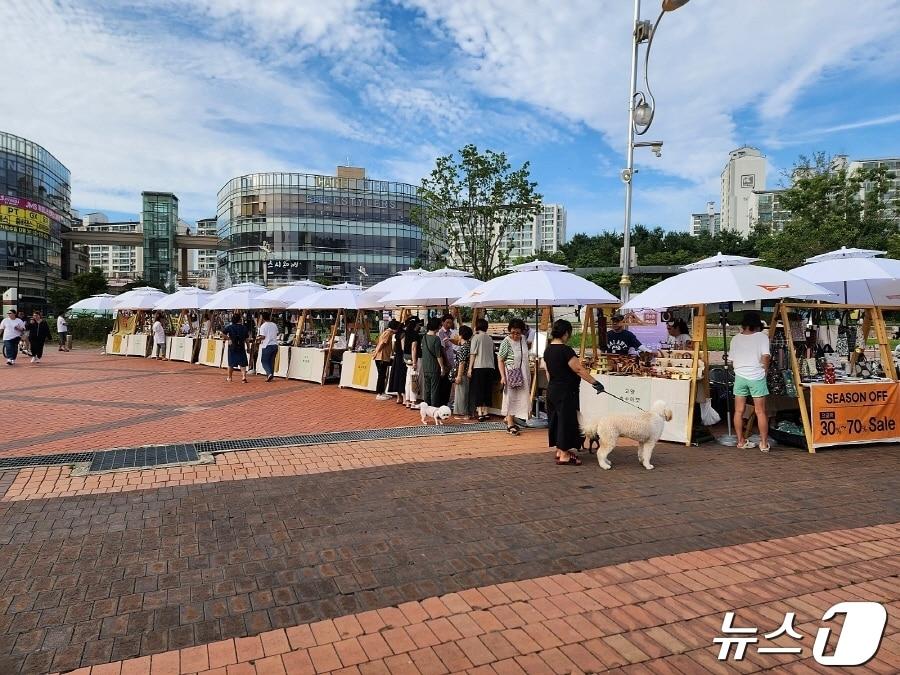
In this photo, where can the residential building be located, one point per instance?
(35, 204)
(159, 220)
(291, 226)
(892, 164)
(706, 222)
(766, 210)
(744, 173)
(204, 262)
(543, 235)
(120, 264)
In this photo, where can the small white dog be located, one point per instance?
(437, 414)
(645, 428)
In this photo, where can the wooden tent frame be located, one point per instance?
(872, 319)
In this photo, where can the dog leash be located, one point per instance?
(605, 391)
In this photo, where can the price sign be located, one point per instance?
(842, 414)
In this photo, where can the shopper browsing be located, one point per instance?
(268, 334)
(750, 357)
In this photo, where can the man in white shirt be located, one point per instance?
(268, 333)
(62, 330)
(13, 328)
(750, 357)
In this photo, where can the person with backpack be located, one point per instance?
(237, 347)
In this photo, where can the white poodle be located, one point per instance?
(437, 414)
(645, 428)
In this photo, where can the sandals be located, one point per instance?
(482, 418)
(748, 445)
(572, 461)
(512, 430)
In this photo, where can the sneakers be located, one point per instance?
(269, 378)
(9, 362)
(383, 397)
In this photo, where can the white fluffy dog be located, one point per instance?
(645, 428)
(437, 414)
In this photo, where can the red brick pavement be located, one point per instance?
(653, 616)
(82, 401)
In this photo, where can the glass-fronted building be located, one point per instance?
(309, 226)
(35, 203)
(159, 219)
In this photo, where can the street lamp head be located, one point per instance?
(672, 5)
(643, 114)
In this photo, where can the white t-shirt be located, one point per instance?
(746, 352)
(61, 325)
(159, 333)
(269, 333)
(12, 328)
(678, 341)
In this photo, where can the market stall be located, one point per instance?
(321, 361)
(244, 297)
(535, 285)
(184, 344)
(131, 334)
(679, 376)
(100, 303)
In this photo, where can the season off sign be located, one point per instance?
(855, 413)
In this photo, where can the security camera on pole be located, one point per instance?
(641, 108)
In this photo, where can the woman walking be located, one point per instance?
(515, 376)
(565, 371)
(38, 333)
(460, 375)
(433, 363)
(482, 370)
(397, 384)
(237, 335)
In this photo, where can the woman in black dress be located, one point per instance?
(237, 347)
(564, 370)
(397, 382)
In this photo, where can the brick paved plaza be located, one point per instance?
(463, 553)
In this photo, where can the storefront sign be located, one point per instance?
(361, 370)
(24, 220)
(842, 414)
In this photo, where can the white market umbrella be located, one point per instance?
(293, 292)
(440, 287)
(539, 284)
(184, 298)
(400, 280)
(855, 276)
(722, 279)
(101, 302)
(243, 296)
(341, 296)
(143, 298)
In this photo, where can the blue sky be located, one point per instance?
(181, 95)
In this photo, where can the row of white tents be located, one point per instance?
(850, 276)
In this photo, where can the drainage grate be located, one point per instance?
(345, 437)
(140, 458)
(157, 455)
(45, 460)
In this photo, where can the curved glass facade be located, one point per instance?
(35, 194)
(315, 226)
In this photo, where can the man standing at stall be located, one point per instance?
(620, 340)
(750, 357)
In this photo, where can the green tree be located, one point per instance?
(472, 202)
(60, 297)
(828, 210)
(86, 284)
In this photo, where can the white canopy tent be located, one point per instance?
(246, 296)
(293, 292)
(341, 296)
(144, 298)
(440, 287)
(725, 278)
(399, 280)
(188, 297)
(856, 276)
(101, 303)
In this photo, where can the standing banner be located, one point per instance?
(843, 414)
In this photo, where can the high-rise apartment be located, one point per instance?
(544, 235)
(744, 173)
(120, 264)
(706, 222)
(892, 164)
(767, 211)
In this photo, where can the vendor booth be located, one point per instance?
(679, 376)
(239, 298)
(131, 334)
(184, 345)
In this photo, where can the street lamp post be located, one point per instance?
(641, 108)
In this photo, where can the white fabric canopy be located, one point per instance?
(144, 297)
(855, 276)
(243, 296)
(440, 287)
(400, 280)
(101, 302)
(185, 298)
(725, 279)
(537, 283)
(342, 296)
(293, 292)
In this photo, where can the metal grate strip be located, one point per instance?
(157, 455)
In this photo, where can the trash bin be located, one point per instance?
(69, 341)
